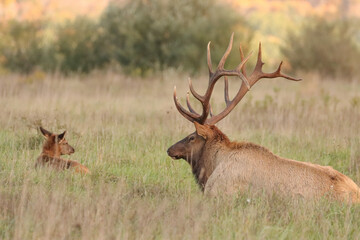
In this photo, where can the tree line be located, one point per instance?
(144, 37)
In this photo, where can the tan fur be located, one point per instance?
(52, 150)
(229, 167)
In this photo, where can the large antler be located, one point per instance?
(247, 83)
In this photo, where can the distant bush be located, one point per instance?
(21, 46)
(146, 36)
(324, 46)
(78, 46)
(141, 36)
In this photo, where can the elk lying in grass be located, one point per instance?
(224, 167)
(56, 145)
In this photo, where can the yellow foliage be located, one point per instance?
(68, 9)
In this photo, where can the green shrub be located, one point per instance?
(324, 46)
(78, 46)
(141, 36)
(146, 36)
(21, 45)
(71, 47)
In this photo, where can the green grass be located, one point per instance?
(121, 128)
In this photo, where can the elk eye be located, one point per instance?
(192, 138)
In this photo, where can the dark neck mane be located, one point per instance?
(197, 167)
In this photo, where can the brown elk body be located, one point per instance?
(54, 146)
(224, 167)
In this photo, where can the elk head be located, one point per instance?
(188, 148)
(191, 147)
(56, 144)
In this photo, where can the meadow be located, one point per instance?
(121, 127)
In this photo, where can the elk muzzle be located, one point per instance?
(188, 148)
(175, 152)
(71, 150)
(67, 149)
(179, 150)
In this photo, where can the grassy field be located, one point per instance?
(121, 128)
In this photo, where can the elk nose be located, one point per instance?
(170, 152)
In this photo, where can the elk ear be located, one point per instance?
(202, 130)
(45, 132)
(61, 136)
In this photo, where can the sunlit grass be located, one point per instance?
(121, 127)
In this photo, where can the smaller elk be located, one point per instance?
(56, 145)
(221, 166)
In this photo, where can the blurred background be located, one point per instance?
(145, 37)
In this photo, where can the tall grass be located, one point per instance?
(121, 128)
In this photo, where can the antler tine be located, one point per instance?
(189, 105)
(226, 54)
(188, 115)
(259, 62)
(194, 93)
(258, 73)
(244, 79)
(240, 68)
(278, 73)
(242, 59)
(226, 91)
(211, 111)
(209, 59)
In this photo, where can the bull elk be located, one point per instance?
(54, 146)
(221, 166)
